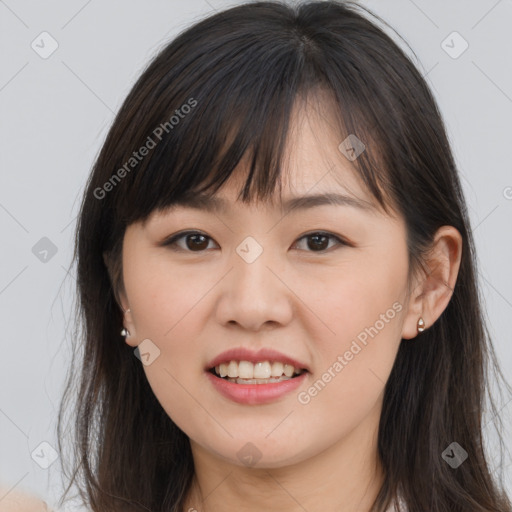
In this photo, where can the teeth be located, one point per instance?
(260, 370)
(288, 370)
(277, 369)
(245, 370)
(233, 369)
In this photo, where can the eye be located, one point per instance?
(320, 240)
(195, 241)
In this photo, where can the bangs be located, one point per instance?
(212, 110)
(258, 142)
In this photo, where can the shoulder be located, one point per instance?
(16, 501)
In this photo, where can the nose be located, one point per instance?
(255, 292)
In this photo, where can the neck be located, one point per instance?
(347, 476)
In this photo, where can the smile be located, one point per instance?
(261, 372)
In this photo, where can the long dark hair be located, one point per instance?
(224, 89)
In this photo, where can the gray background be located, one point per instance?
(55, 113)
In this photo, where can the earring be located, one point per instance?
(421, 325)
(126, 332)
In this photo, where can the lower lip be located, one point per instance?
(255, 393)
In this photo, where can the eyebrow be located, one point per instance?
(215, 204)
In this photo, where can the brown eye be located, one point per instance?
(319, 241)
(194, 241)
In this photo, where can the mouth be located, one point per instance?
(261, 372)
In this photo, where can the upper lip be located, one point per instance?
(245, 354)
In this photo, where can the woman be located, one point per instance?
(316, 347)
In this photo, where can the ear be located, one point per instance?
(433, 289)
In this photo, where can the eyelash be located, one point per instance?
(172, 241)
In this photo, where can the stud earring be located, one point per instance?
(125, 332)
(421, 325)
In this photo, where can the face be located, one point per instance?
(323, 288)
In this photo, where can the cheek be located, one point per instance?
(364, 309)
(363, 295)
(353, 365)
(162, 295)
(164, 303)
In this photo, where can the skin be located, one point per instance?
(307, 303)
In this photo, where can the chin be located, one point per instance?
(259, 452)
